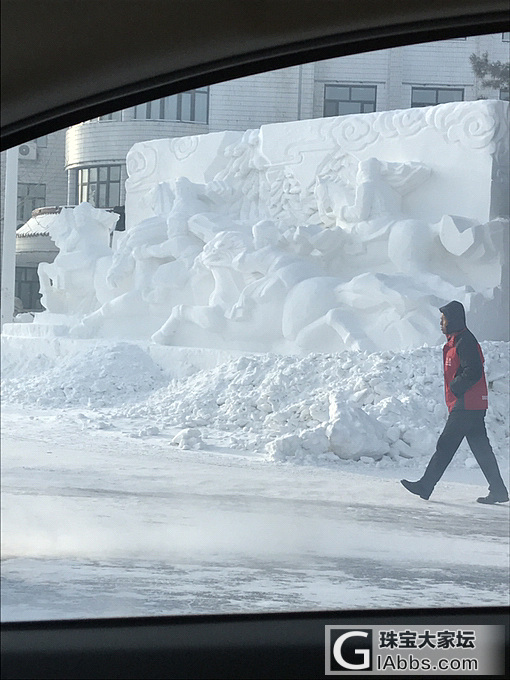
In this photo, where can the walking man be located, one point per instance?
(466, 399)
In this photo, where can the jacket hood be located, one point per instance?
(455, 316)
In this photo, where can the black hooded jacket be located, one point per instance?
(464, 378)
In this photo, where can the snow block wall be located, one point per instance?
(312, 236)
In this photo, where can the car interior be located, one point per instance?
(136, 51)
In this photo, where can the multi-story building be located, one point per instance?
(87, 161)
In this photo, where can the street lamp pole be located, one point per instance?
(9, 236)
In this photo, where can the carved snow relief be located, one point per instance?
(317, 235)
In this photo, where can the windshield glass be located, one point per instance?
(226, 345)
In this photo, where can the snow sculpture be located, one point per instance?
(133, 270)
(317, 235)
(379, 232)
(209, 319)
(74, 283)
(277, 270)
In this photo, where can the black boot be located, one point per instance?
(493, 498)
(416, 488)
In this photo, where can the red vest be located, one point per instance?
(475, 398)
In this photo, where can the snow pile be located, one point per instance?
(354, 406)
(104, 375)
(189, 438)
(322, 407)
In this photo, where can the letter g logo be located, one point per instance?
(363, 653)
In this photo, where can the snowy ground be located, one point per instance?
(126, 491)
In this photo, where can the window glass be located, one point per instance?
(115, 116)
(426, 96)
(171, 107)
(30, 197)
(191, 106)
(216, 402)
(444, 96)
(27, 288)
(140, 111)
(102, 196)
(345, 100)
(363, 93)
(201, 99)
(423, 96)
(330, 108)
(114, 194)
(99, 185)
(185, 106)
(115, 173)
(338, 93)
(344, 108)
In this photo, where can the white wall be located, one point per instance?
(253, 101)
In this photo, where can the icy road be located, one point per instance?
(99, 523)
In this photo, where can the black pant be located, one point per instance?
(460, 424)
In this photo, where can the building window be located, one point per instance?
(99, 186)
(340, 100)
(191, 107)
(27, 288)
(116, 115)
(506, 36)
(30, 197)
(430, 96)
(504, 94)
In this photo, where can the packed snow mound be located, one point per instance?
(382, 407)
(99, 376)
(349, 405)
